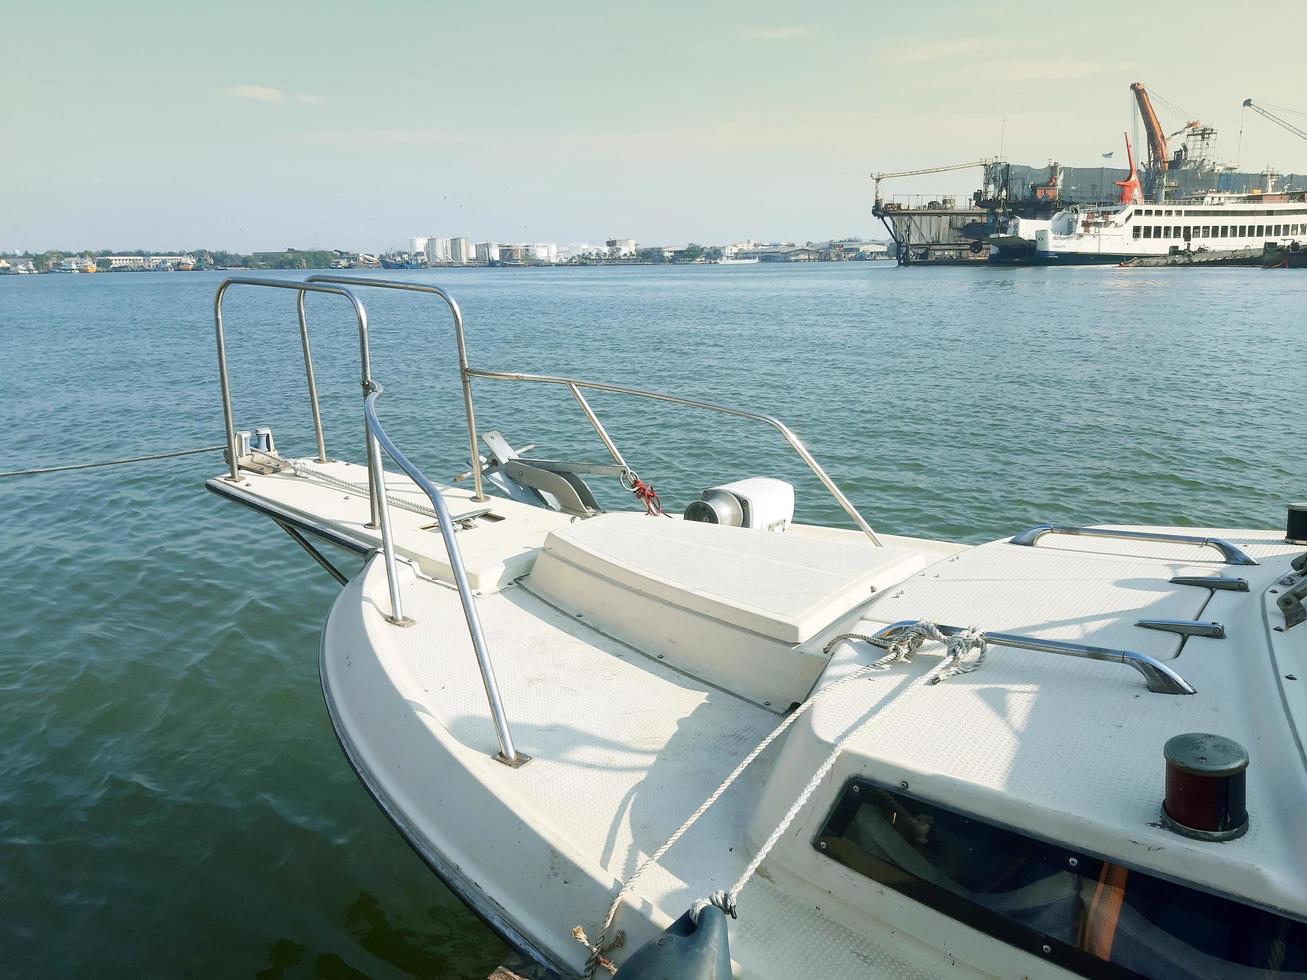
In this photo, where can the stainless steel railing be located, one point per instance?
(1160, 678)
(507, 753)
(1231, 554)
(574, 385)
(365, 367)
(460, 341)
(376, 440)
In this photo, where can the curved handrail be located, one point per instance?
(1232, 554)
(365, 360)
(574, 386)
(575, 383)
(1160, 678)
(457, 313)
(507, 753)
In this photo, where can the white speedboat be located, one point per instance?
(735, 744)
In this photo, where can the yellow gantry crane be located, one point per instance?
(878, 177)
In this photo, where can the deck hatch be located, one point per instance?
(1074, 909)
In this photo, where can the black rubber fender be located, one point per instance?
(685, 951)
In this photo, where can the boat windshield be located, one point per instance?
(1079, 911)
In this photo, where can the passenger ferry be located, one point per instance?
(1214, 222)
(1131, 228)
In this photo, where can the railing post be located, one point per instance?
(464, 372)
(225, 384)
(598, 426)
(377, 484)
(364, 357)
(508, 753)
(313, 383)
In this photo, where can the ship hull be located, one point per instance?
(1079, 258)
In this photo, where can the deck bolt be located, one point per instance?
(1073, 862)
(1047, 948)
(822, 844)
(903, 785)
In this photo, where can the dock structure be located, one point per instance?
(936, 231)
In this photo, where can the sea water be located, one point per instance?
(172, 799)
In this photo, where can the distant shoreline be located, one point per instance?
(11, 273)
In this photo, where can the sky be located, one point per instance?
(257, 126)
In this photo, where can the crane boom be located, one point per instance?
(1158, 158)
(1250, 104)
(878, 177)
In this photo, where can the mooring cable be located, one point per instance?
(112, 462)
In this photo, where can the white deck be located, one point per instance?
(1074, 747)
(623, 747)
(501, 550)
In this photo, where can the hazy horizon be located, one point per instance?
(256, 127)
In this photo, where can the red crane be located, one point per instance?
(1158, 157)
(1131, 191)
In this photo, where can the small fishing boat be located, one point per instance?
(727, 743)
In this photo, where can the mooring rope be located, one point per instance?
(899, 648)
(33, 471)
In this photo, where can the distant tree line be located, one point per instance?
(205, 258)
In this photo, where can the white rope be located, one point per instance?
(955, 647)
(899, 648)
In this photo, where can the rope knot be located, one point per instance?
(956, 647)
(644, 492)
(720, 898)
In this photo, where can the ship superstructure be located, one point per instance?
(1001, 221)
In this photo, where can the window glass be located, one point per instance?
(1093, 916)
(1137, 231)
